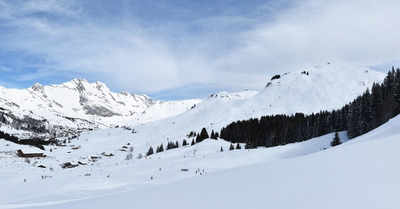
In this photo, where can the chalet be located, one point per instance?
(29, 155)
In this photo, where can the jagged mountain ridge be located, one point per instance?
(79, 104)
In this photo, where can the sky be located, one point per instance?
(180, 49)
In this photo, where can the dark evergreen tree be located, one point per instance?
(193, 143)
(231, 147)
(238, 146)
(203, 135)
(214, 135)
(396, 93)
(336, 140)
(150, 151)
(184, 142)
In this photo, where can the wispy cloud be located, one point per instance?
(162, 48)
(357, 32)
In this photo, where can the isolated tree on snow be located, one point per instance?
(336, 140)
(231, 147)
(222, 149)
(193, 143)
(184, 142)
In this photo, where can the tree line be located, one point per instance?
(37, 142)
(368, 111)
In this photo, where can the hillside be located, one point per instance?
(361, 173)
(325, 87)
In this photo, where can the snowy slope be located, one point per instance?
(325, 87)
(362, 173)
(125, 175)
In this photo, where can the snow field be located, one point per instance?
(362, 173)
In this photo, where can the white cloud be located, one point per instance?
(230, 52)
(357, 32)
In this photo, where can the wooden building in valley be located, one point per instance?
(29, 155)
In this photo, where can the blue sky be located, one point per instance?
(189, 49)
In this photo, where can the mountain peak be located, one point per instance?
(37, 87)
(323, 87)
(79, 80)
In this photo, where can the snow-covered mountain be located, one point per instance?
(111, 161)
(324, 87)
(80, 104)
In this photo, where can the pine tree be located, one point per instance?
(231, 147)
(184, 142)
(150, 152)
(238, 146)
(193, 143)
(214, 135)
(203, 135)
(222, 149)
(336, 140)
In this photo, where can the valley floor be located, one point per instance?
(361, 173)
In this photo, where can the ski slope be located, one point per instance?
(361, 173)
(109, 175)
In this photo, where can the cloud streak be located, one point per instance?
(188, 49)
